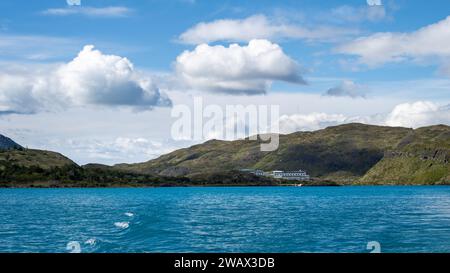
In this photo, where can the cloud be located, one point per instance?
(115, 11)
(259, 27)
(358, 14)
(91, 78)
(308, 122)
(73, 2)
(410, 115)
(417, 114)
(237, 69)
(95, 78)
(347, 89)
(373, 3)
(116, 150)
(391, 47)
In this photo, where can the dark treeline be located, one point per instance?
(13, 175)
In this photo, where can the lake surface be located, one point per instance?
(259, 219)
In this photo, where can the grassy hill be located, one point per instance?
(38, 158)
(347, 154)
(422, 157)
(352, 148)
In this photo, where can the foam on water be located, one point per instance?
(129, 214)
(73, 247)
(122, 225)
(91, 242)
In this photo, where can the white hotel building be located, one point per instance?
(291, 175)
(288, 175)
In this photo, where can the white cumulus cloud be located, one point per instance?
(237, 69)
(92, 78)
(259, 27)
(417, 114)
(387, 47)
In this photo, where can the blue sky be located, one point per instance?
(386, 64)
(148, 32)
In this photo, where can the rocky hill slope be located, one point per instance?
(7, 143)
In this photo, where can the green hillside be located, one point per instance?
(351, 154)
(422, 157)
(352, 148)
(347, 154)
(38, 158)
(36, 168)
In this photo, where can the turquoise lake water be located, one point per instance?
(253, 219)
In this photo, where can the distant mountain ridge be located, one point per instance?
(6, 143)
